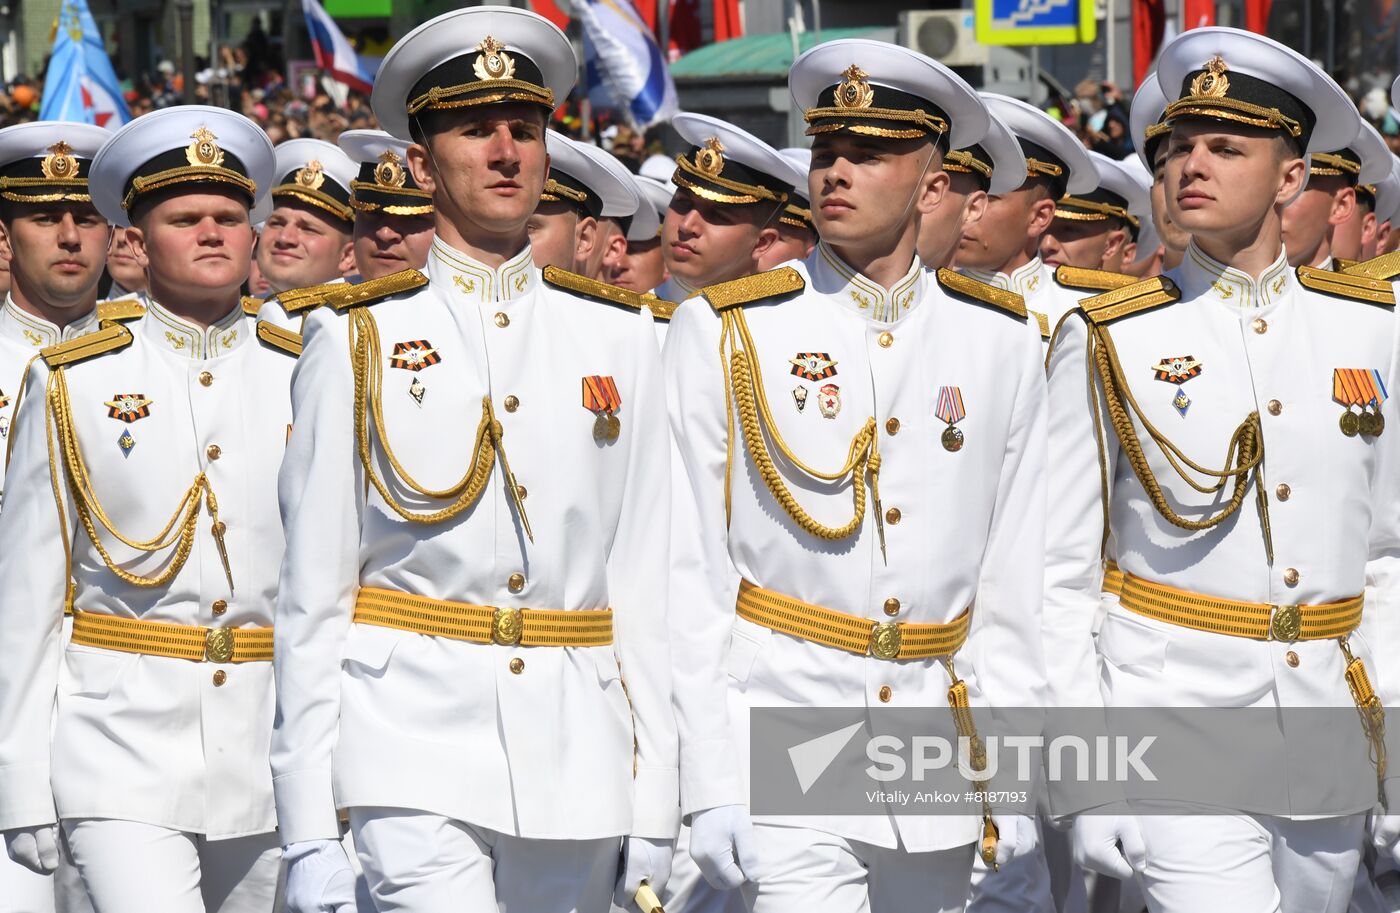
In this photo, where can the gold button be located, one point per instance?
(206, 378)
(219, 607)
(517, 665)
(1290, 576)
(220, 677)
(1260, 325)
(892, 425)
(219, 528)
(892, 516)
(1275, 407)
(516, 582)
(512, 403)
(886, 339)
(1283, 491)
(886, 693)
(521, 490)
(891, 606)
(502, 319)
(213, 451)
(1292, 658)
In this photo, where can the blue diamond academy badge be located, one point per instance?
(1178, 369)
(126, 442)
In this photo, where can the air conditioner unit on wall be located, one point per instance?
(945, 35)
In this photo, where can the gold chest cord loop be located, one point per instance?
(367, 364)
(1243, 459)
(745, 386)
(178, 531)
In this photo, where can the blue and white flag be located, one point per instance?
(334, 55)
(625, 68)
(81, 85)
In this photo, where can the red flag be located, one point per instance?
(1197, 13)
(1256, 15)
(1149, 22)
(727, 22)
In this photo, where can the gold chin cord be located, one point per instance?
(367, 362)
(745, 390)
(1243, 459)
(179, 530)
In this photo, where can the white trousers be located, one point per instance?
(1248, 863)
(130, 867)
(1020, 886)
(416, 862)
(808, 871)
(687, 891)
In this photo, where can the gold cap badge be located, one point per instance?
(59, 163)
(204, 151)
(854, 92)
(311, 177)
(389, 172)
(1213, 83)
(710, 157)
(493, 62)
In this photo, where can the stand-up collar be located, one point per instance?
(37, 333)
(832, 276)
(1201, 275)
(178, 335)
(1028, 280)
(462, 278)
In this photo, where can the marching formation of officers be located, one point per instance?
(446, 588)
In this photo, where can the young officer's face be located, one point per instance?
(58, 250)
(865, 190)
(484, 168)
(1220, 179)
(197, 242)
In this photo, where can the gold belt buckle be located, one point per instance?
(507, 626)
(1286, 623)
(884, 640)
(218, 645)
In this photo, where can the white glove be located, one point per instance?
(1016, 836)
(35, 848)
(319, 878)
(1385, 831)
(643, 859)
(721, 843)
(1108, 844)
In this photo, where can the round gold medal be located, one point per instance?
(1366, 424)
(1350, 423)
(952, 439)
(614, 427)
(600, 427)
(1380, 425)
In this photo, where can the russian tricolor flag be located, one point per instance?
(625, 69)
(333, 52)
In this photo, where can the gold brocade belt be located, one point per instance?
(1254, 620)
(158, 638)
(852, 633)
(482, 624)
(1261, 621)
(883, 640)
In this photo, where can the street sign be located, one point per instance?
(1036, 21)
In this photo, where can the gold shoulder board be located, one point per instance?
(751, 289)
(345, 296)
(1098, 280)
(251, 305)
(120, 309)
(110, 338)
(296, 300)
(1347, 285)
(1386, 266)
(1131, 299)
(592, 289)
(980, 292)
(1043, 320)
(1343, 265)
(279, 338)
(661, 309)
